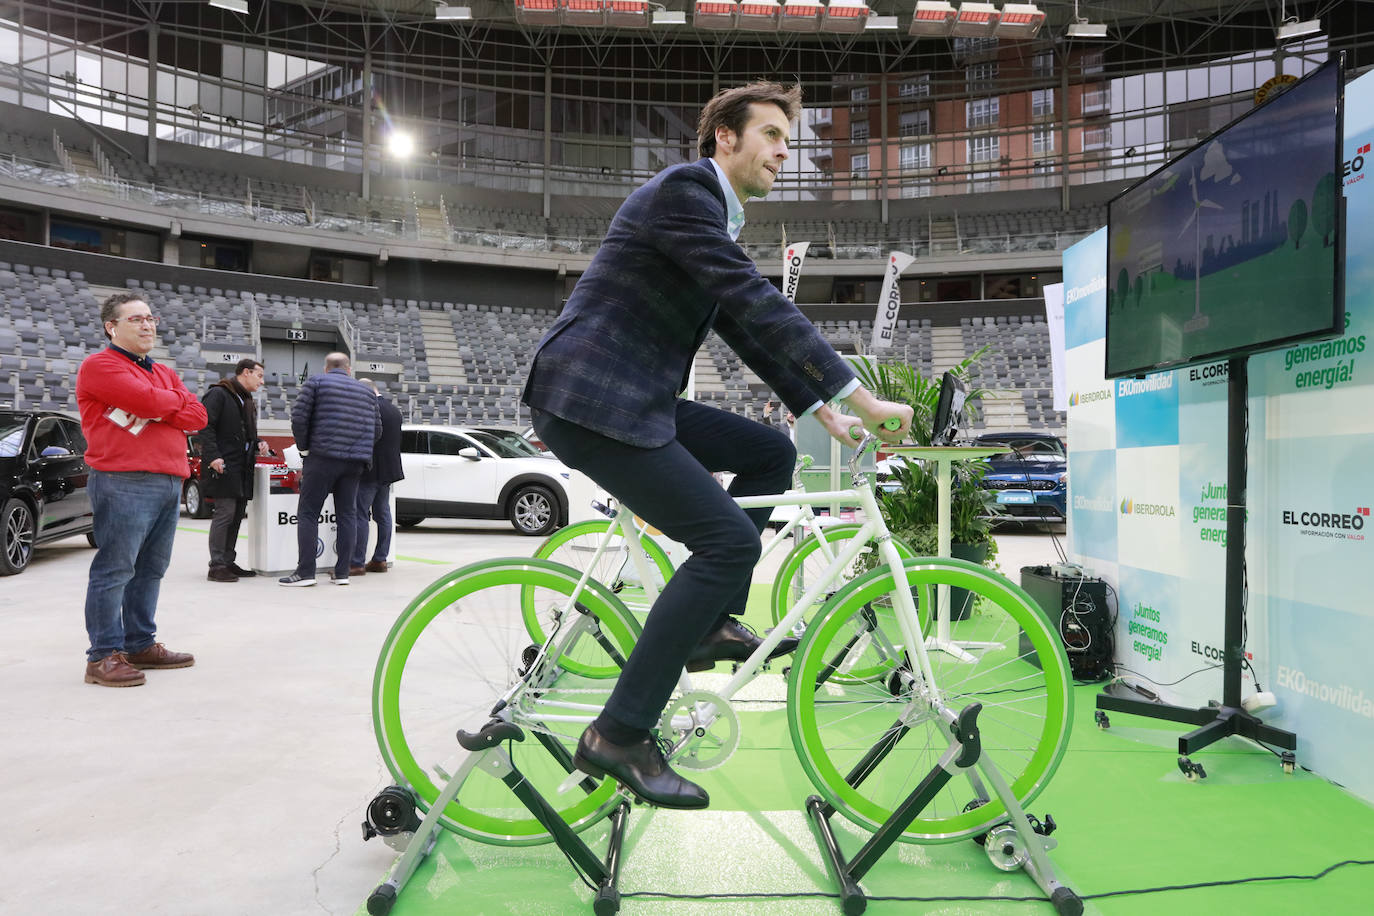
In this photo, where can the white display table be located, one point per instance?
(944, 458)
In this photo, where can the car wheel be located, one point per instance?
(534, 511)
(409, 521)
(18, 528)
(194, 499)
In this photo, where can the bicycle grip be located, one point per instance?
(891, 423)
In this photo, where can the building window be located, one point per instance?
(914, 123)
(984, 149)
(1097, 137)
(858, 132)
(916, 189)
(1042, 102)
(858, 94)
(982, 112)
(1042, 140)
(1042, 63)
(1091, 61)
(914, 87)
(859, 165)
(980, 77)
(914, 156)
(973, 45)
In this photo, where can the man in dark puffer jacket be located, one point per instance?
(336, 424)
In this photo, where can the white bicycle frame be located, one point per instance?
(873, 529)
(802, 523)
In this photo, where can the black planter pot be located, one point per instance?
(960, 599)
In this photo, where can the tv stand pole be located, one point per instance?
(1230, 718)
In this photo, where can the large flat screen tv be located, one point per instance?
(1234, 246)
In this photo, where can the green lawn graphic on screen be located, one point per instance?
(1233, 246)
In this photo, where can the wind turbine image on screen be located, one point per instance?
(1199, 320)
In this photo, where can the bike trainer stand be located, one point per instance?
(1018, 844)
(388, 815)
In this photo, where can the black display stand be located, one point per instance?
(1230, 718)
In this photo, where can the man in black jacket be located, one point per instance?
(229, 444)
(374, 489)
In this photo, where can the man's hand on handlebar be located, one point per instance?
(887, 420)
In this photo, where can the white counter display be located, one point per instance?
(271, 526)
(271, 522)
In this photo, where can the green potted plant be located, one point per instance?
(909, 499)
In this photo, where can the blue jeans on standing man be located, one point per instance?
(374, 501)
(135, 519)
(321, 476)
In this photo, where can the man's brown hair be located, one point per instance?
(109, 309)
(730, 109)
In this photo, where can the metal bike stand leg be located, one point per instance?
(964, 752)
(1037, 864)
(487, 754)
(421, 844)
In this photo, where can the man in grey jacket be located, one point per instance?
(336, 425)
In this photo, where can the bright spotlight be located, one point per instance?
(400, 144)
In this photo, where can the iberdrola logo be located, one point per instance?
(1073, 399)
(1127, 506)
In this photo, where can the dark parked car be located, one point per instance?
(42, 484)
(1030, 477)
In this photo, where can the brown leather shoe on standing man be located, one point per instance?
(135, 415)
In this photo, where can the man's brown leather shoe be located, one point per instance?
(221, 574)
(242, 573)
(113, 670)
(376, 566)
(159, 656)
(357, 570)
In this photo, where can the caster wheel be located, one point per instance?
(1289, 762)
(1101, 719)
(1191, 771)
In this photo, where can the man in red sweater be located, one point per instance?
(135, 414)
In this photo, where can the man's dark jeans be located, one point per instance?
(374, 500)
(135, 519)
(671, 488)
(320, 477)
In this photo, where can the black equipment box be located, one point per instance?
(1076, 608)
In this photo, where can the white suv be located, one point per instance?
(480, 472)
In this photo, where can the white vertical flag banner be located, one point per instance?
(890, 299)
(1054, 315)
(792, 259)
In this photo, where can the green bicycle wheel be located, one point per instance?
(576, 546)
(1021, 678)
(460, 649)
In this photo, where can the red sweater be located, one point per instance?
(109, 379)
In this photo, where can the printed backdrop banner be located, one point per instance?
(890, 300)
(792, 260)
(1148, 488)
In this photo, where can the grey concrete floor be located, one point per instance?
(238, 785)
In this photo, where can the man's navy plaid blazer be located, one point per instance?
(666, 274)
